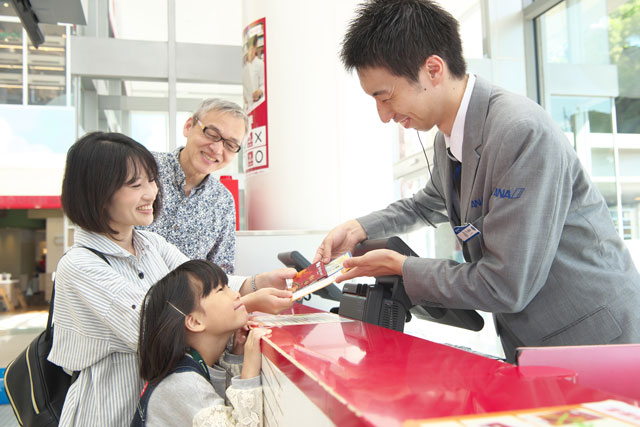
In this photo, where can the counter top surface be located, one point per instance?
(386, 377)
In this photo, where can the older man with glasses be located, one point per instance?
(198, 212)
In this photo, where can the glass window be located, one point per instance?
(582, 38)
(150, 128)
(624, 39)
(137, 108)
(47, 67)
(573, 113)
(200, 91)
(469, 15)
(125, 17)
(576, 32)
(142, 88)
(6, 9)
(10, 63)
(629, 222)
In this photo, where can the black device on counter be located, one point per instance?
(385, 303)
(381, 304)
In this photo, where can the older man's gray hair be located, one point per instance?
(222, 106)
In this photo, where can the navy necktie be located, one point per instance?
(457, 172)
(456, 177)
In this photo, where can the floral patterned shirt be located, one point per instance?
(202, 225)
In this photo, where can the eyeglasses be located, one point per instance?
(213, 134)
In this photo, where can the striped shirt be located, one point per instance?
(96, 316)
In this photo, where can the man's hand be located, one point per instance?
(267, 300)
(341, 239)
(381, 262)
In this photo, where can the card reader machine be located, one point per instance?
(376, 303)
(386, 303)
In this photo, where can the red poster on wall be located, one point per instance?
(254, 83)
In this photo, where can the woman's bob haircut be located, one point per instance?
(98, 164)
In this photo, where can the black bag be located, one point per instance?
(36, 388)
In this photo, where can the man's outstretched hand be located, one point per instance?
(341, 239)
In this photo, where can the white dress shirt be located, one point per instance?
(454, 141)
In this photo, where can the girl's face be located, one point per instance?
(223, 310)
(132, 204)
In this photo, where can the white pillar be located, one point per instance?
(330, 157)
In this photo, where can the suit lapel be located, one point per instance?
(472, 141)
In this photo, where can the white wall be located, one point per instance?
(329, 154)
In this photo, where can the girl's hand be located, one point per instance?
(239, 339)
(252, 354)
(240, 336)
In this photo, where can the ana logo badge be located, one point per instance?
(476, 203)
(508, 193)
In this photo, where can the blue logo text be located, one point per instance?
(508, 193)
(476, 203)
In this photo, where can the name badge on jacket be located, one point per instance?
(466, 232)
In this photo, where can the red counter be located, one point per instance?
(359, 374)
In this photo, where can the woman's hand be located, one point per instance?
(252, 355)
(268, 300)
(275, 279)
(272, 279)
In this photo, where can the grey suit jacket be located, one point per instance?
(548, 262)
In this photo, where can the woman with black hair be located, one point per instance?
(110, 186)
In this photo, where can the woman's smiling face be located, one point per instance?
(132, 204)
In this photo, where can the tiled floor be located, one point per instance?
(17, 330)
(7, 419)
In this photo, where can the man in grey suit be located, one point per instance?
(541, 251)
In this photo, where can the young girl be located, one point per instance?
(186, 322)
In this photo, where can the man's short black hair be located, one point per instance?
(399, 35)
(98, 164)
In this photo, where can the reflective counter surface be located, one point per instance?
(362, 374)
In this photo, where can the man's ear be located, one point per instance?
(187, 126)
(194, 322)
(434, 67)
